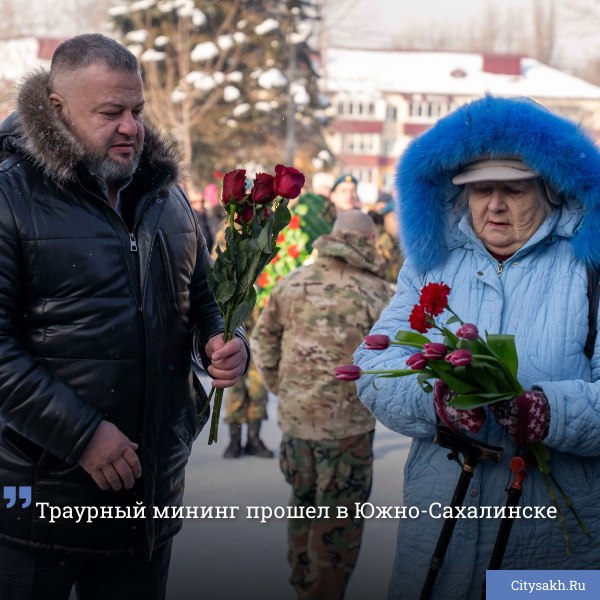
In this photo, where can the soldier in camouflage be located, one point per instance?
(315, 318)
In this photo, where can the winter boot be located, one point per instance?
(254, 445)
(235, 445)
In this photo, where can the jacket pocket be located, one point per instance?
(167, 266)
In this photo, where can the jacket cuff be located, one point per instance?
(76, 452)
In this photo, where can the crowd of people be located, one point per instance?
(105, 317)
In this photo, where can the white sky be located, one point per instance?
(375, 21)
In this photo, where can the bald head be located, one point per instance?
(355, 221)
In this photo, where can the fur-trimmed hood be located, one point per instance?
(36, 131)
(556, 148)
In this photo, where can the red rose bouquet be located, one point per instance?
(478, 372)
(256, 218)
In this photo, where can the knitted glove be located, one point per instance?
(455, 418)
(525, 418)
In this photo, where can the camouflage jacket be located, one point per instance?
(313, 322)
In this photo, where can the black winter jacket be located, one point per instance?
(97, 314)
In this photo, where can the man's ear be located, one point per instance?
(57, 101)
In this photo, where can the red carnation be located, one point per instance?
(234, 186)
(434, 298)
(418, 319)
(262, 190)
(288, 181)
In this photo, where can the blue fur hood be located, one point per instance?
(556, 148)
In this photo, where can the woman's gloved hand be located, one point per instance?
(525, 418)
(470, 421)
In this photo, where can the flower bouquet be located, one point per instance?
(255, 219)
(479, 372)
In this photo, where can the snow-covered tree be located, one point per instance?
(220, 77)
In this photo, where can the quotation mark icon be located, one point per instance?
(22, 492)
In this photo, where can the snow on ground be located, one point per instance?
(242, 559)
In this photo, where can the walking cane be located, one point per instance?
(473, 453)
(517, 466)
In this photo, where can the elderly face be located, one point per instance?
(345, 197)
(505, 214)
(103, 108)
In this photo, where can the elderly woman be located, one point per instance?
(500, 201)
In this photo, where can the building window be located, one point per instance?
(428, 109)
(360, 143)
(356, 109)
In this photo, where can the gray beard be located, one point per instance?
(110, 170)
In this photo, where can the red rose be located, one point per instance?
(434, 298)
(234, 186)
(275, 259)
(288, 181)
(262, 279)
(293, 251)
(347, 373)
(418, 319)
(294, 222)
(245, 215)
(262, 190)
(377, 342)
(280, 238)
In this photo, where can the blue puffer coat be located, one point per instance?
(540, 296)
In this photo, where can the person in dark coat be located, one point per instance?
(103, 305)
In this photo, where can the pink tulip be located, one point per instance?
(468, 332)
(459, 358)
(417, 361)
(377, 342)
(434, 351)
(347, 373)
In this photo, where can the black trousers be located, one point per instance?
(26, 575)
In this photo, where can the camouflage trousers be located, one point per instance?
(247, 400)
(331, 473)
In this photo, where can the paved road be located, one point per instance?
(241, 559)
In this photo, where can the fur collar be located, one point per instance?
(565, 157)
(49, 143)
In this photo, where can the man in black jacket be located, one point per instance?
(103, 302)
